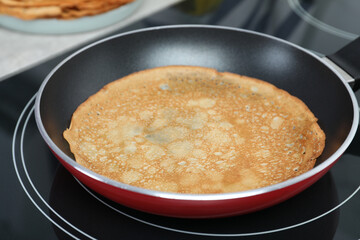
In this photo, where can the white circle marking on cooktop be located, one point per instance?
(301, 12)
(31, 183)
(16, 131)
(222, 235)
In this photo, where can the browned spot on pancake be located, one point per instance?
(194, 130)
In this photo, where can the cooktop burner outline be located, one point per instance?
(30, 113)
(295, 5)
(230, 234)
(21, 127)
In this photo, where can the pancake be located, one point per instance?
(190, 129)
(57, 9)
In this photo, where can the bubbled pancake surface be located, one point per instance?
(194, 130)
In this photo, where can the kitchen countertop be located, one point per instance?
(21, 51)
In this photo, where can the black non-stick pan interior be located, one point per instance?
(245, 53)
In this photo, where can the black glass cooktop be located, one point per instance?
(41, 200)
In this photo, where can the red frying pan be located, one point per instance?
(298, 71)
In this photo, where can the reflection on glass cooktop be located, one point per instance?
(41, 200)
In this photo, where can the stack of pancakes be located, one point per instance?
(194, 130)
(59, 9)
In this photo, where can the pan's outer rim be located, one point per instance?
(198, 197)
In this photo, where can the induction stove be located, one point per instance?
(40, 199)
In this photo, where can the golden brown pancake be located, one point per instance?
(59, 9)
(194, 130)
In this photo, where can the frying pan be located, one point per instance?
(290, 67)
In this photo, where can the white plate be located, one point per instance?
(56, 26)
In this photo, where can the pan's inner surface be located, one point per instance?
(223, 49)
